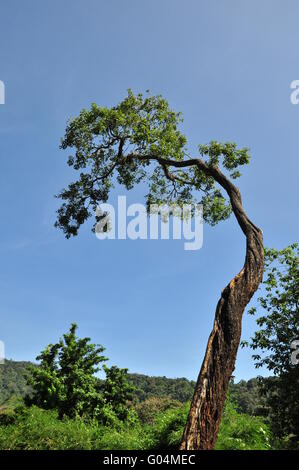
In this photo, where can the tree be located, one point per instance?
(278, 328)
(117, 390)
(247, 397)
(44, 380)
(139, 140)
(65, 378)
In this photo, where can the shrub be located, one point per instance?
(148, 409)
(242, 432)
(37, 429)
(168, 428)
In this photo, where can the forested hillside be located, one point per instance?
(12, 379)
(180, 389)
(245, 394)
(13, 382)
(156, 416)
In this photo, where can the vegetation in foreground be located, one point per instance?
(35, 428)
(63, 405)
(68, 407)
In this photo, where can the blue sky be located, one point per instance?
(228, 67)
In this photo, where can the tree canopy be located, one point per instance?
(139, 140)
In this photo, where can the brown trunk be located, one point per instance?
(208, 401)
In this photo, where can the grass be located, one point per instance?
(37, 429)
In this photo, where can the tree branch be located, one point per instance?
(209, 170)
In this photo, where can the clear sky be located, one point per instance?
(228, 67)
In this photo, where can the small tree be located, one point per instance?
(117, 391)
(45, 381)
(65, 377)
(139, 140)
(65, 380)
(278, 328)
(79, 361)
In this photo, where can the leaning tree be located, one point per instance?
(139, 141)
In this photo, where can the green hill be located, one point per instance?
(246, 395)
(12, 380)
(180, 389)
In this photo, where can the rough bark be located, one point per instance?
(207, 405)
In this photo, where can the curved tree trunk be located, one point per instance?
(208, 401)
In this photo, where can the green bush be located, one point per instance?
(237, 431)
(42, 430)
(167, 429)
(37, 429)
(242, 432)
(147, 410)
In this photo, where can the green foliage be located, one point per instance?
(34, 428)
(232, 157)
(152, 422)
(282, 400)
(247, 397)
(42, 430)
(14, 383)
(126, 143)
(242, 432)
(179, 389)
(12, 379)
(10, 414)
(168, 428)
(38, 429)
(117, 390)
(278, 327)
(148, 409)
(66, 381)
(237, 431)
(246, 394)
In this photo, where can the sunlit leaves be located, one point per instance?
(124, 144)
(279, 325)
(65, 380)
(215, 207)
(227, 154)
